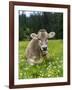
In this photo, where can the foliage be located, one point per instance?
(51, 67)
(38, 20)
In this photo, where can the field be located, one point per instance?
(51, 67)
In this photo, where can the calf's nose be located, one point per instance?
(44, 48)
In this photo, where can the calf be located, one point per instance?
(38, 46)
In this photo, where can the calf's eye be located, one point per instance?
(40, 41)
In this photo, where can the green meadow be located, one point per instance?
(50, 67)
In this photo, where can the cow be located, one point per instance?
(38, 46)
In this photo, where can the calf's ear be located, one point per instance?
(51, 34)
(34, 36)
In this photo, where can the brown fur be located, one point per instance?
(33, 51)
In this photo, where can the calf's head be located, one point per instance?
(42, 38)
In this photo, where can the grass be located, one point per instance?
(51, 67)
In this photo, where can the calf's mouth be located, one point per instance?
(44, 52)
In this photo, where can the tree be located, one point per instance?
(49, 20)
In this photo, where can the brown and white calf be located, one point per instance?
(38, 46)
